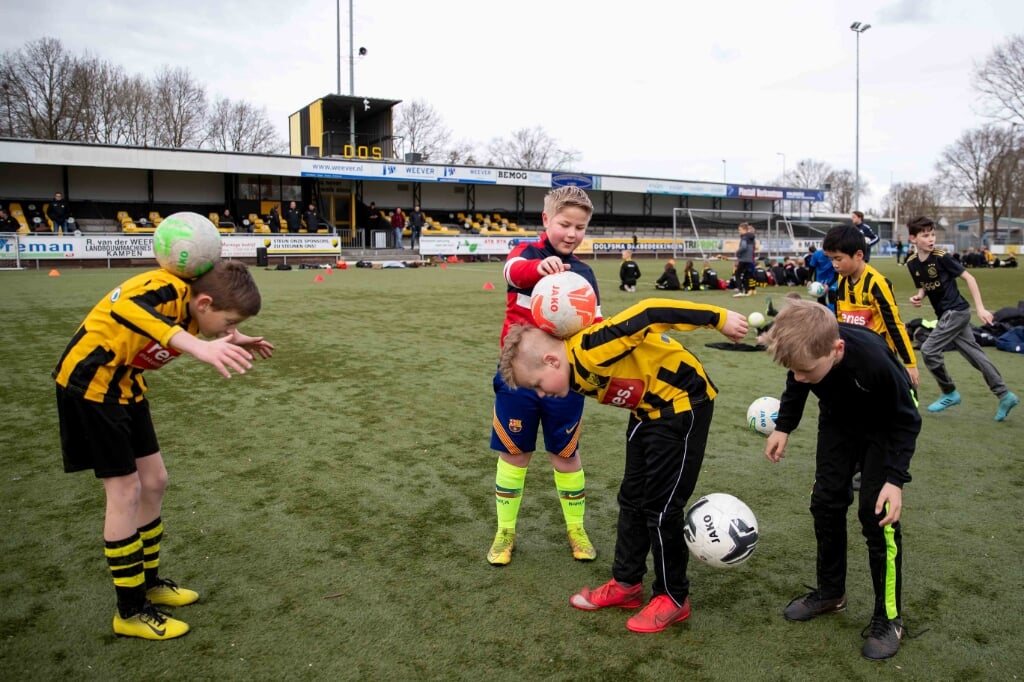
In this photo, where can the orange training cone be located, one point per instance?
(318, 278)
(329, 269)
(488, 286)
(55, 273)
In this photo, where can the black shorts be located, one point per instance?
(106, 438)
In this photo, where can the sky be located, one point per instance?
(696, 90)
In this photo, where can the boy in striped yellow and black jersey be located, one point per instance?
(105, 422)
(629, 361)
(864, 296)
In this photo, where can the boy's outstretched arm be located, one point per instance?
(253, 344)
(972, 284)
(775, 448)
(221, 353)
(735, 327)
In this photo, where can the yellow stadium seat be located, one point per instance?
(155, 218)
(257, 223)
(215, 219)
(15, 211)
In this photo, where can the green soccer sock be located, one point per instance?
(572, 493)
(508, 492)
(151, 535)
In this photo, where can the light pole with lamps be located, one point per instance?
(783, 155)
(857, 28)
(723, 172)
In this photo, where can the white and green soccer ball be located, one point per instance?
(816, 289)
(761, 415)
(186, 244)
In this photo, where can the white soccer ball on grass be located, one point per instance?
(720, 530)
(762, 413)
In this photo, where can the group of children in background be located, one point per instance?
(855, 358)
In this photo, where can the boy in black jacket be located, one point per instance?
(629, 272)
(867, 417)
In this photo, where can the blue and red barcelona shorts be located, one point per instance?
(519, 413)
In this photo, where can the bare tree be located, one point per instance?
(42, 98)
(101, 86)
(241, 127)
(808, 174)
(840, 197)
(1006, 173)
(179, 109)
(1001, 81)
(531, 148)
(423, 129)
(463, 152)
(911, 200)
(966, 168)
(134, 100)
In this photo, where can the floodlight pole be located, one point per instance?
(783, 155)
(723, 172)
(351, 82)
(857, 28)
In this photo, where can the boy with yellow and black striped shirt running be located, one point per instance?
(105, 423)
(864, 296)
(629, 361)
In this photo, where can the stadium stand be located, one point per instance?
(215, 219)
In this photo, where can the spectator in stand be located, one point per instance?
(274, 220)
(398, 225)
(669, 279)
(226, 219)
(312, 219)
(373, 217)
(415, 225)
(8, 223)
(293, 217)
(691, 279)
(57, 212)
(870, 238)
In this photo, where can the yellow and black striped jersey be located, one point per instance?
(869, 303)
(127, 332)
(628, 360)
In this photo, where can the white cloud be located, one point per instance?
(644, 88)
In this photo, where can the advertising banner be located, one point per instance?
(139, 246)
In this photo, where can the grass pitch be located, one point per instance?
(333, 507)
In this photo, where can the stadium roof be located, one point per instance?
(339, 107)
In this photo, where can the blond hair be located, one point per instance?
(561, 198)
(523, 348)
(803, 332)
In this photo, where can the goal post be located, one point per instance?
(10, 251)
(772, 230)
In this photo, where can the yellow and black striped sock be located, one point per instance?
(151, 535)
(124, 558)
